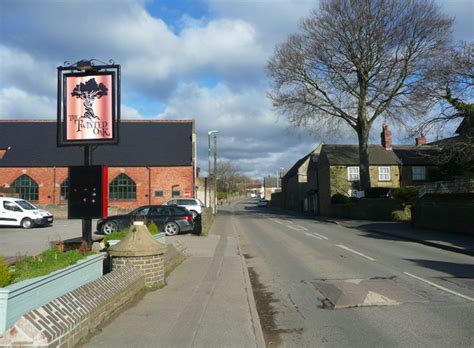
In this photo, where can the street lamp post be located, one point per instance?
(209, 158)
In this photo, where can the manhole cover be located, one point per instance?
(363, 292)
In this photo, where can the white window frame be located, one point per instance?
(418, 173)
(384, 173)
(353, 174)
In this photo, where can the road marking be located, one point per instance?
(301, 227)
(440, 287)
(312, 235)
(293, 228)
(278, 221)
(321, 236)
(355, 252)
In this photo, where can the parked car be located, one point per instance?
(18, 212)
(192, 204)
(169, 219)
(262, 202)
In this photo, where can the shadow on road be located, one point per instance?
(459, 270)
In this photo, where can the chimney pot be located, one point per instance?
(386, 137)
(421, 140)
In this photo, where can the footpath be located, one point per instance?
(456, 242)
(207, 302)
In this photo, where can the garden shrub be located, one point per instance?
(402, 215)
(339, 198)
(406, 194)
(5, 275)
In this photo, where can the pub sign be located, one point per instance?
(88, 105)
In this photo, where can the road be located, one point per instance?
(320, 284)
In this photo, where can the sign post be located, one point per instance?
(88, 114)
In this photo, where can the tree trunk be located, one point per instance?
(363, 136)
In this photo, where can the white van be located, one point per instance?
(18, 212)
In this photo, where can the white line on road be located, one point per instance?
(278, 221)
(355, 252)
(312, 235)
(440, 287)
(289, 221)
(302, 228)
(293, 227)
(320, 235)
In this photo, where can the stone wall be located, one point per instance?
(450, 213)
(367, 209)
(68, 319)
(207, 218)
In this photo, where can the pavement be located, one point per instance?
(207, 302)
(456, 242)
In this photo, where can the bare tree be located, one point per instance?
(354, 61)
(228, 176)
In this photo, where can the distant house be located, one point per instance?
(270, 185)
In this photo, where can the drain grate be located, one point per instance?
(347, 293)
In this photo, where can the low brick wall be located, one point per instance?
(207, 218)
(448, 214)
(66, 320)
(368, 209)
(152, 266)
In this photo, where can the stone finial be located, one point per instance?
(386, 137)
(138, 242)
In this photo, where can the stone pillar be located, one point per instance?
(142, 251)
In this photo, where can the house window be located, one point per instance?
(122, 188)
(159, 193)
(353, 173)
(26, 187)
(418, 173)
(176, 193)
(384, 173)
(64, 190)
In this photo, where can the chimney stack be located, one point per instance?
(421, 140)
(386, 137)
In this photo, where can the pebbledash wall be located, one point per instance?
(158, 156)
(149, 181)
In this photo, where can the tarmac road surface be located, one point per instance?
(321, 284)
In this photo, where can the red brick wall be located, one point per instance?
(161, 178)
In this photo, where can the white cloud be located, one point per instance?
(250, 134)
(17, 104)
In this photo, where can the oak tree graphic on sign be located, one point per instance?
(89, 91)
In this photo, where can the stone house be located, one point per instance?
(296, 186)
(154, 161)
(338, 171)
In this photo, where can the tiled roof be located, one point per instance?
(143, 143)
(349, 155)
(412, 155)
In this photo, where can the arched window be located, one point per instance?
(64, 191)
(26, 187)
(122, 188)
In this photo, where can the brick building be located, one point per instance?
(154, 161)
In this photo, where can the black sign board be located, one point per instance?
(88, 192)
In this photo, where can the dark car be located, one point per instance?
(169, 219)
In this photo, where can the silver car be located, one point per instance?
(192, 204)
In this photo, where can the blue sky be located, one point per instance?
(201, 59)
